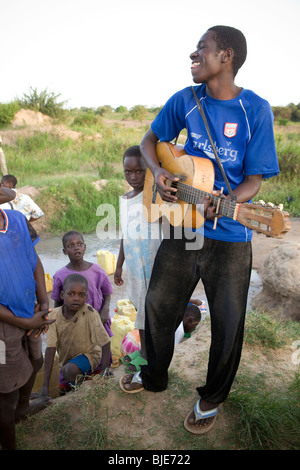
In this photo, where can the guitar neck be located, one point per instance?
(194, 196)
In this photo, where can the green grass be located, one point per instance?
(261, 412)
(267, 420)
(284, 188)
(64, 168)
(265, 331)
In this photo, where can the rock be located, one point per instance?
(281, 282)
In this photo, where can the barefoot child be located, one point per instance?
(78, 336)
(99, 285)
(22, 281)
(139, 244)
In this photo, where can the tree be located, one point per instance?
(138, 112)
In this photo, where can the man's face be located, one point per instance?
(206, 60)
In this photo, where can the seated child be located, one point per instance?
(99, 285)
(22, 281)
(77, 335)
(192, 317)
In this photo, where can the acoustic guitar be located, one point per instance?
(196, 180)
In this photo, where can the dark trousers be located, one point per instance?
(225, 270)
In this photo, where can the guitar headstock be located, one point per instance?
(264, 218)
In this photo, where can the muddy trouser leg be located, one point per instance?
(226, 281)
(225, 270)
(174, 278)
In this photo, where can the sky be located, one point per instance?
(135, 52)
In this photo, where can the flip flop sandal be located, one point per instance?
(199, 414)
(139, 361)
(136, 379)
(132, 356)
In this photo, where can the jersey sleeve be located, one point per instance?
(261, 156)
(171, 119)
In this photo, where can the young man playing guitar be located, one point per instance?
(241, 125)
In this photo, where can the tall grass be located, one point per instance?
(284, 188)
(77, 201)
(267, 420)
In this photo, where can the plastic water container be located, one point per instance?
(48, 282)
(107, 261)
(126, 307)
(120, 326)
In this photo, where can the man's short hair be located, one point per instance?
(227, 36)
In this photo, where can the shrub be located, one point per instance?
(7, 112)
(44, 102)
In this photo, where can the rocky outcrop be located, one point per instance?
(281, 282)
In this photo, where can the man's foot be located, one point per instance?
(200, 421)
(131, 383)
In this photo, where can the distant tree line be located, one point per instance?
(287, 113)
(47, 103)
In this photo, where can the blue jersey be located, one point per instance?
(18, 261)
(242, 132)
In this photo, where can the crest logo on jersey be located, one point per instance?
(230, 129)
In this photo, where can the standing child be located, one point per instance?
(139, 244)
(78, 336)
(22, 281)
(99, 285)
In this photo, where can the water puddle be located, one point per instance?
(52, 257)
(50, 251)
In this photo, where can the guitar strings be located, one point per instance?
(194, 195)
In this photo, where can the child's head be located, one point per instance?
(73, 245)
(74, 292)
(134, 167)
(9, 181)
(192, 317)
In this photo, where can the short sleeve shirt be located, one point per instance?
(83, 334)
(98, 284)
(18, 263)
(242, 132)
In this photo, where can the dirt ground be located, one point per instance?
(151, 420)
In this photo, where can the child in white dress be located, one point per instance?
(139, 244)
